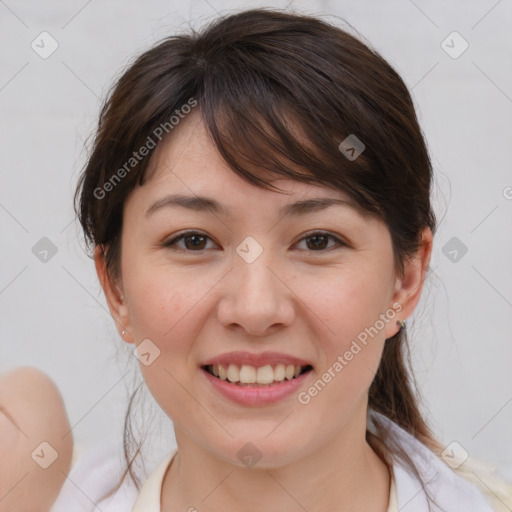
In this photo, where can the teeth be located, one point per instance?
(222, 372)
(265, 375)
(233, 373)
(247, 374)
(279, 372)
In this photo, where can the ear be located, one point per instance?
(408, 287)
(114, 295)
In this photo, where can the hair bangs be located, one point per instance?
(261, 130)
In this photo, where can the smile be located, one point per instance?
(248, 375)
(270, 383)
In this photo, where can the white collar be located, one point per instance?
(451, 492)
(148, 499)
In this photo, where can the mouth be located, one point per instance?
(256, 376)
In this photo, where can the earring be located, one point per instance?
(123, 333)
(401, 323)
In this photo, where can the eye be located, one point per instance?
(319, 240)
(195, 241)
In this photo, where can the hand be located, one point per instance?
(32, 412)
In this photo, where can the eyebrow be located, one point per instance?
(206, 204)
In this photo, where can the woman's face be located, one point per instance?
(253, 279)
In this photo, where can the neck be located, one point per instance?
(344, 474)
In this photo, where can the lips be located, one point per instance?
(257, 394)
(240, 358)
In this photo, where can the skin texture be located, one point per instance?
(294, 298)
(32, 412)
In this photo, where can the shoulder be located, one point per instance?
(92, 483)
(496, 487)
(470, 487)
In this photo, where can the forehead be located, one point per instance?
(189, 162)
(188, 154)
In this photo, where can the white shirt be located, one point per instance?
(98, 471)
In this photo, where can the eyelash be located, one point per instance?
(171, 244)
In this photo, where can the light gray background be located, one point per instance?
(53, 314)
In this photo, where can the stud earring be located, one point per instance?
(123, 333)
(401, 323)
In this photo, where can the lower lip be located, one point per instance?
(256, 396)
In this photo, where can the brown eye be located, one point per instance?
(319, 241)
(193, 241)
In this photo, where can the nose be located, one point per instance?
(255, 297)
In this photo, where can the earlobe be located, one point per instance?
(113, 295)
(408, 287)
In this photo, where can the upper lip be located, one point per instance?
(261, 359)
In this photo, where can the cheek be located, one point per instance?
(164, 300)
(166, 307)
(351, 334)
(169, 320)
(347, 301)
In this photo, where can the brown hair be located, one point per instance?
(278, 92)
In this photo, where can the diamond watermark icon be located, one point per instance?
(454, 249)
(45, 455)
(351, 147)
(249, 249)
(44, 45)
(454, 45)
(146, 352)
(454, 455)
(44, 250)
(249, 454)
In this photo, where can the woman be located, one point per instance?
(258, 199)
